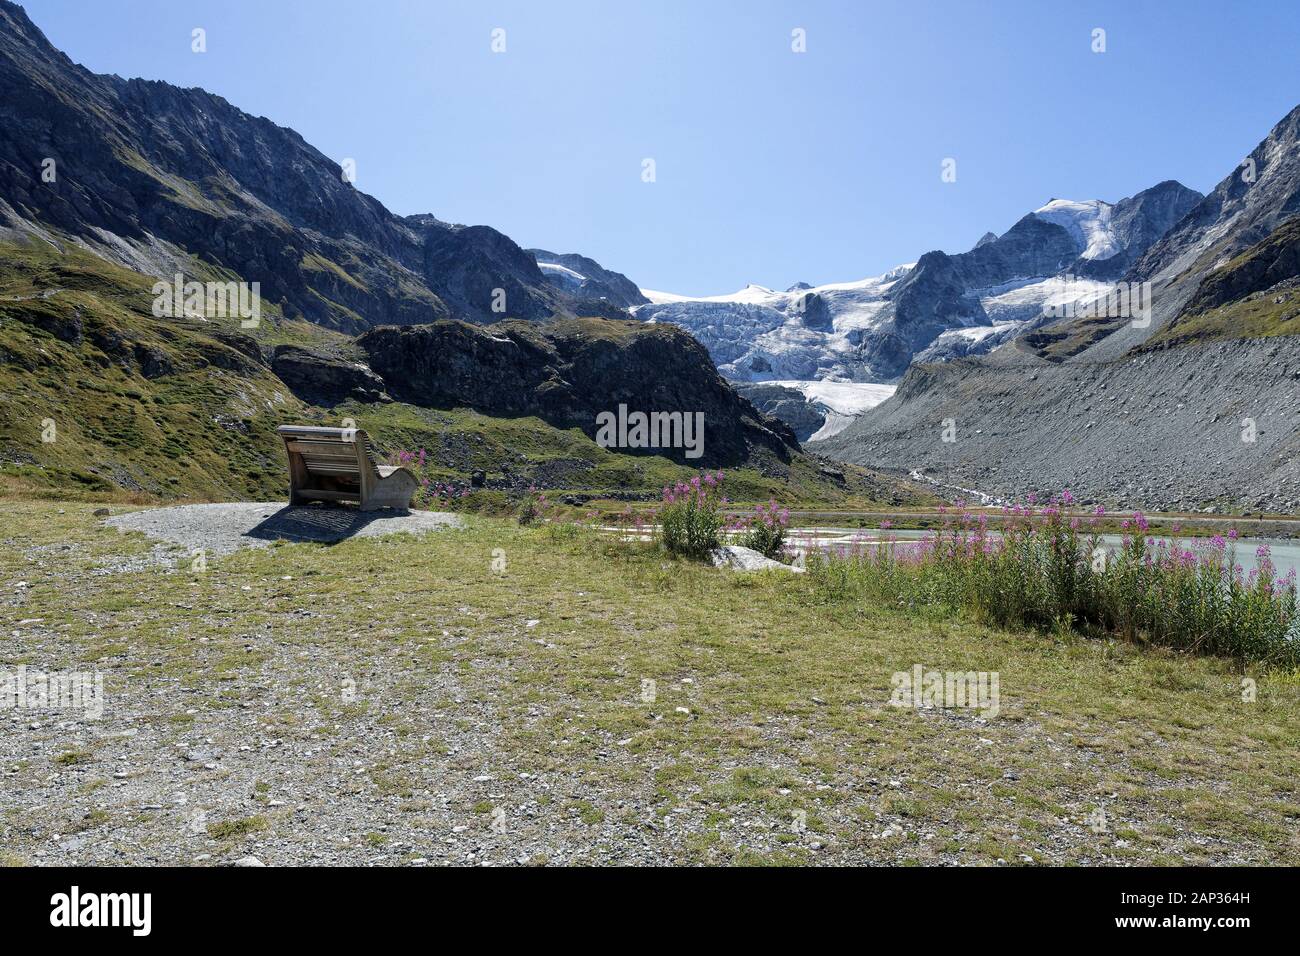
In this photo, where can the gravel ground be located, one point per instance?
(225, 528)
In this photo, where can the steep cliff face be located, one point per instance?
(786, 404)
(1245, 207)
(570, 371)
(968, 304)
(161, 179)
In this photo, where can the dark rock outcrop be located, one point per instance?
(787, 404)
(325, 380)
(569, 371)
(1269, 262)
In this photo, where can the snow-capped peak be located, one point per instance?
(750, 295)
(754, 294)
(1088, 222)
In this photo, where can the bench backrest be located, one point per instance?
(338, 453)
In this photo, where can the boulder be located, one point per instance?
(325, 380)
(747, 559)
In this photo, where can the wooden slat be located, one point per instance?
(324, 449)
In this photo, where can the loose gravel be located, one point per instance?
(225, 528)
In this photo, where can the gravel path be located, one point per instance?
(225, 528)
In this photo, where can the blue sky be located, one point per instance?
(771, 166)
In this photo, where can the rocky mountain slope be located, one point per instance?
(98, 396)
(760, 334)
(1164, 429)
(161, 179)
(1063, 252)
(1200, 407)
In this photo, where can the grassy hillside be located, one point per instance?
(1056, 343)
(131, 402)
(314, 712)
(165, 409)
(1254, 295)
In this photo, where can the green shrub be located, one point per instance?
(1041, 571)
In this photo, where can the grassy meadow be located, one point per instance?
(378, 700)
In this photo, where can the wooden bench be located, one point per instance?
(338, 464)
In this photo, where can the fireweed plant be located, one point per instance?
(434, 493)
(765, 530)
(1046, 570)
(535, 506)
(690, 518)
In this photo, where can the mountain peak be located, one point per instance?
(1087, 221)
(1246, 206)
(586, 279)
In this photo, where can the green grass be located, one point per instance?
(786, 694)
(1258, 315)
(70, 758)
(82, 369)
(238, 829)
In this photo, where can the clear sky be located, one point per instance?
(771, 166)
